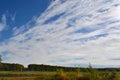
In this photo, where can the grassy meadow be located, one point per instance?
(59, 75)
(36, 75)
(48, 72)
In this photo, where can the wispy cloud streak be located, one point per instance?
(3, 22)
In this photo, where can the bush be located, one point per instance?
(60, 75)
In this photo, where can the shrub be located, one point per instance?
(60, 75)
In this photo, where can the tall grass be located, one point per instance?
(96, 75)
(91, 74)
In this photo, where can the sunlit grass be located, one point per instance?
(58, 75)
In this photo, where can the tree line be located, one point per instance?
(11, 67)
(43, 67)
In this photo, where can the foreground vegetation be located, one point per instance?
(59, 74)
(46, 72)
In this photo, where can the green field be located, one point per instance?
(26, 75)
(47, 72)
(35, 75)
(59, 75)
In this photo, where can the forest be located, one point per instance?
(49, 68)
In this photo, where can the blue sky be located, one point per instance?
(60, 32)
(18, 13)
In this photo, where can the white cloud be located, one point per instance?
(3, 22)
(13, 17)
(58, 40)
